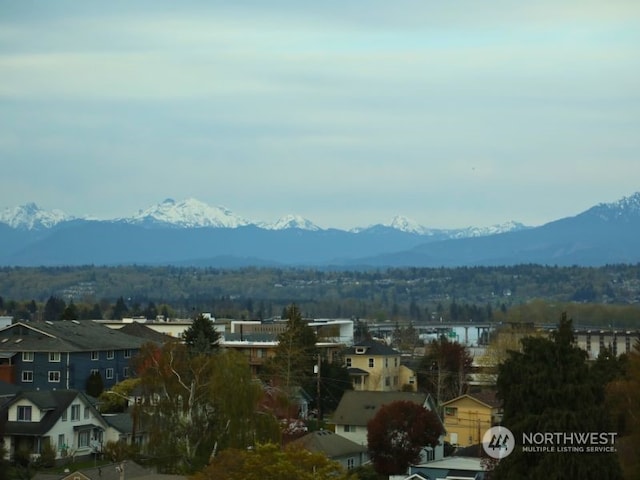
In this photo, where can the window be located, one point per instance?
(27, 376)
(110, 355)
(127, 353)
(54, 376)
(95, 356)
(351, 463)
(109, 373)
(348, 360)
(27, 356)
(83, 439)
(395, 362)
(95, 371)
(54, 356)
(387, 381)
(349, 428)
(61, 443)
(386, 363)
(125, 372)
(450, 411)
(75, 413)
(24, 413)
(87, 413)
(64, 415)
(371, 363)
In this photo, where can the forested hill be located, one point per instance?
(416, 294)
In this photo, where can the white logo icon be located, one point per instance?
(498, 442)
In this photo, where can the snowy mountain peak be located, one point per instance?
(189, 213)
(510, 226)
(31, 217)
(407, 225)
(626, 206)
(291, 221)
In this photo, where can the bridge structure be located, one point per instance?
(448, 329)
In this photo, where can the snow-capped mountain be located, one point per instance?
(625, 207)
(189, 213)
(470, 232)
(408, 225)
(32, 217)
(291, 221)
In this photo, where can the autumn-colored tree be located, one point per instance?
(270, 462)
(397, 434)
(444, 369)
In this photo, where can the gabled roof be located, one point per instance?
(487, 399)
(52, 402)
(358, 407)
(371, 348)
(139, 330)
(332, 445)
(65, 336)
(110, 472)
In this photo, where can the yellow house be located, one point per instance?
(467, 417)
(375, 367)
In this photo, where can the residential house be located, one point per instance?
(65, 418)
(63, 354)
(114, 471)
(467, 417)
(356, 408)
(335, 447)
(374, 366)
(458, 468)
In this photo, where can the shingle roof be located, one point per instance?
(65, 336)
(358, 407)
(139, 330)
(53, 401)
(327, 442)
(372, 347)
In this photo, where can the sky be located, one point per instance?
(452, 113)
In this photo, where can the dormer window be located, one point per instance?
(361, 350)
(24, 413)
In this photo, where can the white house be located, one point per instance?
(65, 418)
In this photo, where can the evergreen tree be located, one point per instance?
(120, 310)
(54, 308)
(548, 388)
(95, 385)
(201, 336)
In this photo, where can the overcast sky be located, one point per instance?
(453, 113)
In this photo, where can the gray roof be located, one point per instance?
(372, 347)
(358, 407)
(108, 472)
(137, 329)
(332, 445)
(65, 336)
(53, 402)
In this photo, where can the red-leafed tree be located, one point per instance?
(397, 434)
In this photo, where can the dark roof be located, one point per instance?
(122, 422)
(372, 347)
(137, 329)
(357, 371)
(358, 407)
(251, 337)
(327, 442)
(65, 336)
(8, 390)
(469, 451)
(52, 402)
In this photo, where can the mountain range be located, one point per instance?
(192, 233)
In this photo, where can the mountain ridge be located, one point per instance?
(604, 234)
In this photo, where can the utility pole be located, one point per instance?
(318, 389)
